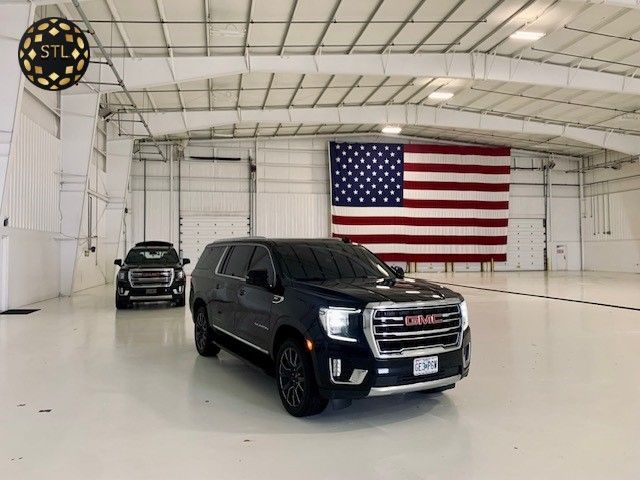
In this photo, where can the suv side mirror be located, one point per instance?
(185, 261)
(259, 278)
(399, 271)
(118, 261)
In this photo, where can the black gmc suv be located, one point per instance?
(337, 322)
(151, 272)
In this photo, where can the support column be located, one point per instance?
(15, 20)
(119, 153)
(77, 131)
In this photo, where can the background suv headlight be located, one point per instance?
(122, 275)
(179, 274)
(339, 323)
(464, 312)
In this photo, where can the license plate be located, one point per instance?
(425, 365)
(152, 291)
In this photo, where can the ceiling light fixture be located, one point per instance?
(392, 129)
(527, 36)
(440, 96)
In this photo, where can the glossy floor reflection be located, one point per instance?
(552, 393)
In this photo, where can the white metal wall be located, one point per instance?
(32, 185)
(212, 195)
(30, 204)
(611, 215)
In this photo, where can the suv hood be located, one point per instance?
(366, 290)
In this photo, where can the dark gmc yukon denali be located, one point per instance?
(337, 322)
(151, 272)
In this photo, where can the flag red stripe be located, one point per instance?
(427, 239)
(453, 204)
(459, 150)
(460, 186)
(456, 168)
(442, 257)
(421, 222)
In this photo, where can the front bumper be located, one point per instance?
(155, 294)
(384, 376)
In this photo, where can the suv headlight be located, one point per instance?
(339, 323)
(464, 312)
(180, 275)
(122, 275)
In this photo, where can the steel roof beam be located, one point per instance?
(412, 115)
(156, 71)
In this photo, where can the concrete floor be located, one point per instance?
(553, 393)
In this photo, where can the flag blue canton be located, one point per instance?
(366, 174)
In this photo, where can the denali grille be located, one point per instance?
(148, 278)
(428, 327)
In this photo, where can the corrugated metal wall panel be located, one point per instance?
(32, 188)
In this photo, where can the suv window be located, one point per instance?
(308, 262)
(237, 261)
(152, 256)
(210, 258)
(262, 261)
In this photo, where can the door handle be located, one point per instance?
(241, 292)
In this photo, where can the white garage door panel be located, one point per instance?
(525, 250)
(197, 231)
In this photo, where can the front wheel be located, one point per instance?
(296, 381)
(121, 303)
(180, 301)
(203, 334)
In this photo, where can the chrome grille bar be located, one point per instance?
(151, 278)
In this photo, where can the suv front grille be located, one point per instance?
(433, 327)
(157, 277)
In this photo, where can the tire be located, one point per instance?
(180, 301)
(122, 303)
(296, 381)
(437, 390)
(203, 334)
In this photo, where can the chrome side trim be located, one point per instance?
(413, 387)
(226, 332)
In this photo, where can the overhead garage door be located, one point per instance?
(525, 248)
(199, 230)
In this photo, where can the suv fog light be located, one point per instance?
(336, 367)
(467, 354)
(357, 376)
(383, 371)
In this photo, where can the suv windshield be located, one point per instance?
(330, 261)
(152, 256)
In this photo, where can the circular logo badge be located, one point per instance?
(54, 53)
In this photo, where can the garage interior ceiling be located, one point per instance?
(593, 36)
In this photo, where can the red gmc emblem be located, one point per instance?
(413, 320)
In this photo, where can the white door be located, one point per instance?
(197, 231)
(559, 261)
(525, 245)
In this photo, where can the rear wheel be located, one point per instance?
(203, 334)
(296, 381)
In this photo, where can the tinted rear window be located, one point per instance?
(210, 258)
(330, 261)
(237, 261)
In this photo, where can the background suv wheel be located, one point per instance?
(203, 334)
(121, 303)
(296, 381)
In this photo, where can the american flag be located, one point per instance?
(422, 203)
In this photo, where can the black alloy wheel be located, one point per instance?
(296, 381)
(203, 334)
